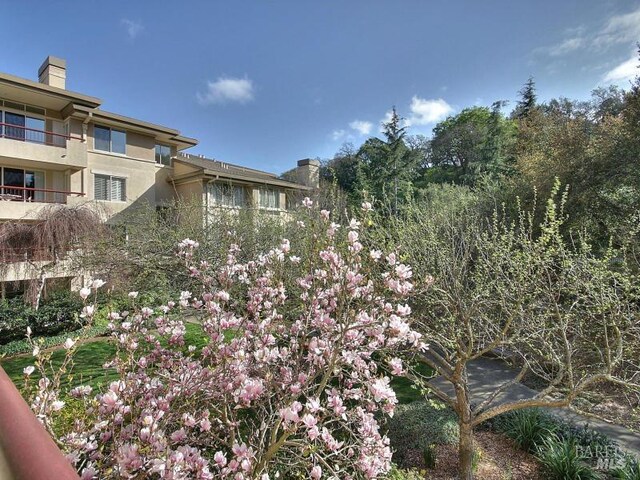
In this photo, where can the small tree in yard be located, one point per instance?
(56, 231)
(549, 307)
(292, 382)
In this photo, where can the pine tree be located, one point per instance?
(527, 101)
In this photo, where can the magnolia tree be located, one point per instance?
(292, 383)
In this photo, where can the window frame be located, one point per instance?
(110, 140)
(276, 193)
(158, 155)
(27, 195)
(228, 191)
(109, 187)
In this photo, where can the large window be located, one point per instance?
(106, 187)
(19, 184)
(163, 154)
(22, 127)
(269, 198)
(109, 139)
(226, 195)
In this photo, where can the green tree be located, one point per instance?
(388, 166)
(467, 146)
(527, 102)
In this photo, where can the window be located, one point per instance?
(109, 139)
(269, 198)
(19, 184)
(163, 155)
(22, 127)
(106, 187)
(226, 195)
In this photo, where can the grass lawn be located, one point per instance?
(89, 360)
(405, 392)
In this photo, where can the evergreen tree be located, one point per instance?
(527, 102)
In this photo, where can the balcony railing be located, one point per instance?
(10, 193)
(26, 134)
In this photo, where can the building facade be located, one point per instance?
(60, 147)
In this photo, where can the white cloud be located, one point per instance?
(362, 127)
(426, 111)
(619, 29)
(623, 73)
(132, 28)
(338, 134)
(227, 89)
(566, 46)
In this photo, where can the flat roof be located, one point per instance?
(48, 90)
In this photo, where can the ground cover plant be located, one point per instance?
(295, 391)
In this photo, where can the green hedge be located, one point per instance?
(58, 313)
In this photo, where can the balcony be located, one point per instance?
(24, 143)
(25, 134)
(24, 202)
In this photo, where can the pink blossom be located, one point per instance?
(316, 472)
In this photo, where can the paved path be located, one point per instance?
(486, 374)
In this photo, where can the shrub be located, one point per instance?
(563, 461)
(630, 471)
(528, 428)
(429, 456)
(401, 474)
(58, 313)
(418, 425)
(583, 436)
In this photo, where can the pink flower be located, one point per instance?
(316, 472)
(220, 459)
(85, 292)
(396, 366)
(28, 370)
(179, 435)
(366, 207)
(307, 202)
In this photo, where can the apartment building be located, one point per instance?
(59, 146)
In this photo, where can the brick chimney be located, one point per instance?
(53, 72)
(308, 172)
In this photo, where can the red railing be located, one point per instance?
(26, 134)
(27, 448)
(39, 195)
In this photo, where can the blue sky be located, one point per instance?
(264, 83)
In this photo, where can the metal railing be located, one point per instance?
(26, 134)
(27, 450)
(38, 195)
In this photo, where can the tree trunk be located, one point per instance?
(465, 452)
(465, 443)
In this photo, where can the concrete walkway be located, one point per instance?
(486, 375)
